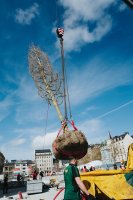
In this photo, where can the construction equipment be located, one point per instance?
(111, 184)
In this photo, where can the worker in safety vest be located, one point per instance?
(73, 184)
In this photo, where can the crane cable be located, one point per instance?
(63, 74)
(60, 33)
(69, 104)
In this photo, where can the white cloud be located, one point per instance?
(10, 79)
(1, 137)
(27, 90)
(96, 78)
(20, 147)
(93, 124)
(115, 109)
(27, 15)
(80, 17)
(29, 131)
(17, 152)
(5, 108)
(42, 141)
(29, 106)
(93, 129)
(26, 113)
(88, 109)
(76, 37)
(25, 101)
(96, 129)
(18, 141)
(122, 7)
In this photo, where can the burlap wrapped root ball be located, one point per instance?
(71, 143)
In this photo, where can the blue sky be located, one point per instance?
(99, 63)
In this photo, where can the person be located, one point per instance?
(18, 177)
(73, 183)
(22, 177)
(35, 175)
(41, 174)
(84, 169)
(115, 166)
(92, 168)
(5, 184)
(122, 166)
(49, 173)
(107, 167)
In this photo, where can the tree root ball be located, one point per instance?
(71, 143)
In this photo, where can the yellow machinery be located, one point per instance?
(111, 184)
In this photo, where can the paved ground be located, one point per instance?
(47, 194)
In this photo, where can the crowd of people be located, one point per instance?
(115, 167)
(73, 184)
(20, 178)
(36, 175)
(122, 165)
(85, 169)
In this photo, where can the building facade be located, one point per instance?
(8, 169)
(106, 153)
(120, 146)
(44, 160)
(23, 167)
(2, 159)
(116, 148)
(93, 153)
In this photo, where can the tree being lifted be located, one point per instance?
(53, 88)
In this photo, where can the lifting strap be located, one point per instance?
(63, 127)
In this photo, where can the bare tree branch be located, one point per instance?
(48, 82)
